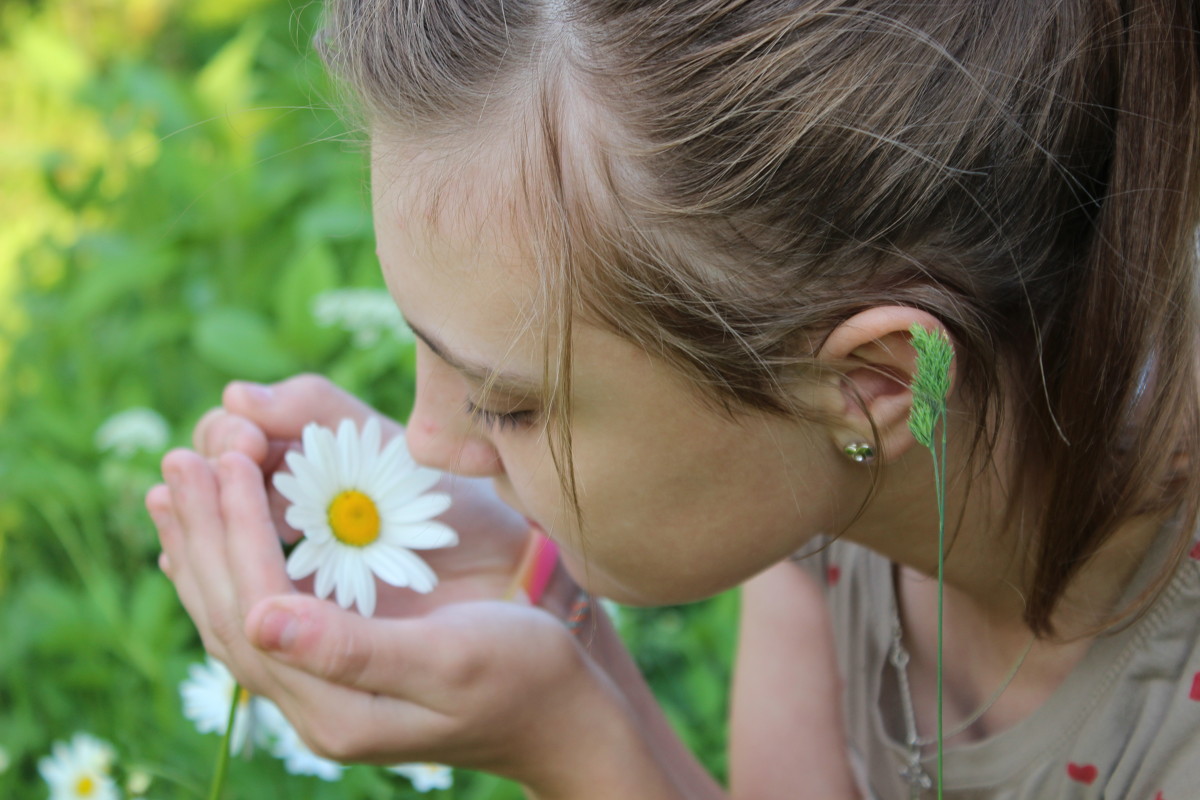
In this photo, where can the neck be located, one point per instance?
(986, 568)
(988, 547)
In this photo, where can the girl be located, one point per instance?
(663, 257)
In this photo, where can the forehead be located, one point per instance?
(465, 195)
(453, 246)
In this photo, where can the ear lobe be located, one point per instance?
(873, 352)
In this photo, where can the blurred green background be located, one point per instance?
(177, 194)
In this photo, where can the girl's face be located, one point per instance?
(678, 501)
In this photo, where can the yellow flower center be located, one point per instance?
(243, 697)
(85, 786)
(354, 518)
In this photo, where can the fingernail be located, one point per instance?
(258, 392)
(278, 630)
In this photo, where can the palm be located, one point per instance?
(482, 566)
(491, 535)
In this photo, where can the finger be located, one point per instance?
(348, 725)
(219, 431)
(431, 660)
(158, 504)
(201, 553)
(256, 559)
(283, 409)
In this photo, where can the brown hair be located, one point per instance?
(724, 180)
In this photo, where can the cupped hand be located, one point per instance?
(489, 685)
(265, 422)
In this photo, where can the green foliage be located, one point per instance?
(185, 192)
(931, 381)
(684, 652)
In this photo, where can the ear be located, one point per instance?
(874, 355)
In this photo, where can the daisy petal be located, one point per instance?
(312, 521)
(309, 477)
(418, 509)
(368, 453)
(305, 560)
(406, 485)
(326, 573)
(399, 567)
(395, 458)
(366, 593)
(421, 536)
(322, 452)
(348, 446)
(346, 585)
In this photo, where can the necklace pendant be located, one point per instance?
(918, 780)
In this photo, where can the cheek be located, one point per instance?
(529, 481)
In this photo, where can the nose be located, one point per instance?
(440, 433)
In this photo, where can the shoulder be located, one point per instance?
(786, 725)
(1137, 734)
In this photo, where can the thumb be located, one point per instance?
(314, 635)
(411, 658)
(282, 410)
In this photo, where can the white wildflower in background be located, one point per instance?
(137, 783)
(426, 777)
(207, 694)
(133, 430)
(287, 746)
(365, 313)
(79, 769)
(362, 513)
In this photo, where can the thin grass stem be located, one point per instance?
(218, 781)
(940, 481)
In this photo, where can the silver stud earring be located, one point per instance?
(859, 452)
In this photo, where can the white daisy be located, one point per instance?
(78, 770)
(137, 783)
(362, 513)
(207, 693)
(287, 746)
(366, 313)
(426, 777)
(133, 430)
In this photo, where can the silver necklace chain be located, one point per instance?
(913, 771)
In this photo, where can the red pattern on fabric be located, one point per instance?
(1084, 773)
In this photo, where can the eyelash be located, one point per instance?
(500, 420)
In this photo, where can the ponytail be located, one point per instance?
(1120, 362)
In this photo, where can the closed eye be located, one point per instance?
(501, 420)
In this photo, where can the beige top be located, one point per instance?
(1125, 725)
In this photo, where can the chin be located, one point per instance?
(626, 594)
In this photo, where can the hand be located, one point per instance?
(493, 686)
(265, 422)
(488, 685)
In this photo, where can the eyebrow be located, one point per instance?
(489, 376)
